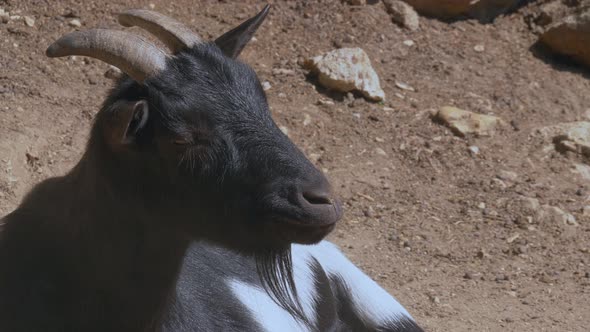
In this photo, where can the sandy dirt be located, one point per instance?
(441, 228)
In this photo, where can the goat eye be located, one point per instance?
(180, 141)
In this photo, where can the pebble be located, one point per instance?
(284, 129)
(501, 277)
(380, 151)
(404, 86)
(75, 23)
(306, 120)
(479, 48)
(282, 71)
(266, 85)
(474, 149)
(409, 42)
(113, 73)
(29, 21)
(507, 175)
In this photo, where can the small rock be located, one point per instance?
(306, 120)
(464, 123)
(345, 70)
(583, 170)
(284, 129)
(555, 215)
(507, 175)
(572, 136)
(468, 276)
(357, 2)
(474, 150)
(404, 86)
(409, 42)
(282, 71)
(479, 48)
(403, 14)
(380, 152)
(29, 21)
(529, 204)
(113, 73)
(499, 183)
(369, 212)
(4, 16)
(501, 277)
(323, 101)
(266, 85)
(76, 23)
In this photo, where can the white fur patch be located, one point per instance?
(305, 283)
(264, 310)
(373, 304)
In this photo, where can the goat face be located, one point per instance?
(199, 127)
(225, 154)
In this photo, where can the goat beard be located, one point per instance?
(275, 269)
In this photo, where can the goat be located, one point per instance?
(188, 211)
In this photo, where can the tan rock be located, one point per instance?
(345, 70)
(464, 123)
(483, 10)
(570, 36)
(29, 21)
(555, 215)
(402, 14)
(571, 136)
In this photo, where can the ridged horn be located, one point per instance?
(134, 56)
(174, 34)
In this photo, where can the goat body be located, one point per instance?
(334, 294)
(187, 210)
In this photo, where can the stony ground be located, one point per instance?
(456, 236)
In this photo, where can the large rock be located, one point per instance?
(570, 36)
(347, 69)
(484, 10)
(571, 136)
(464, 123)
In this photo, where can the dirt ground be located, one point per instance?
(437, 225)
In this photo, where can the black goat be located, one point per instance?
(187, 210)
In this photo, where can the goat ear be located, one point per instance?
(233, 42)
(128, 120)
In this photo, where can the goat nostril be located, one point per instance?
(317, 197)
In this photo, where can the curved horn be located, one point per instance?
(174, 34)
(133, 55)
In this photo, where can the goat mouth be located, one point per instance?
(295, 231)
